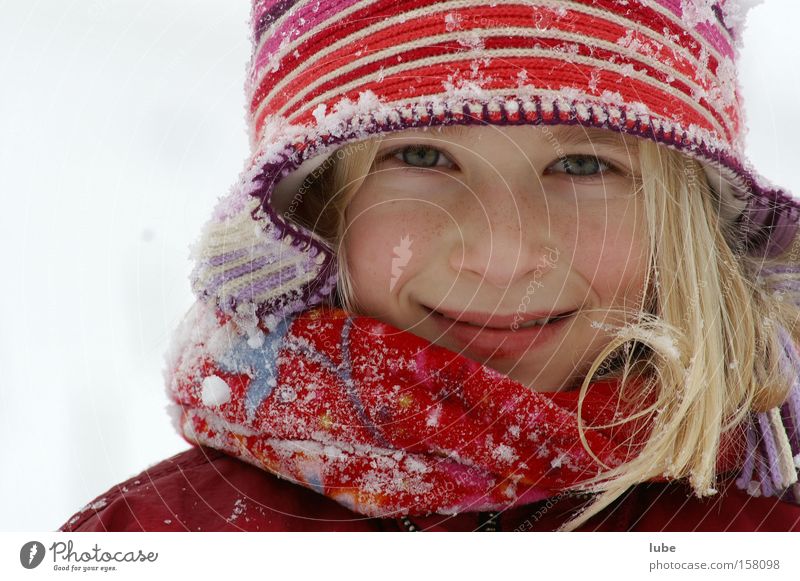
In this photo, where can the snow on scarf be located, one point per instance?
(383, 421)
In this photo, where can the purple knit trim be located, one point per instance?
(770, 221)
(780, 269)
(273, 280)
(772, 459)
(301, 238)
(790, 410)
(793, 410)
(763, 476)
(792, 431)
(792, 357)
(227, 257)
(791, 286)
(252, 266)
(746, 475)
(298, 300)
(239, 271)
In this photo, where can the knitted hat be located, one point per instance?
(323, 74)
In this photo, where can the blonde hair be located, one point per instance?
(720, 359)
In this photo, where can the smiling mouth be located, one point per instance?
(510, 322)
(501, 337)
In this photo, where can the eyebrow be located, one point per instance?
(454, 130)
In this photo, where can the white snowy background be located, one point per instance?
(121, 122)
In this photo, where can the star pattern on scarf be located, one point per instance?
(261, 363)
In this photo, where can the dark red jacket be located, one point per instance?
(203, 489)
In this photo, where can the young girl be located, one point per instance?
(491, 266)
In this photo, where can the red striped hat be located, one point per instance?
(326, 73)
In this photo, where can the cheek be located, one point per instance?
(368, 249)
(385, 244)
(611, 250)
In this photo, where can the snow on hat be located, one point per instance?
(326, 73)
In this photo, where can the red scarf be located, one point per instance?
(383, 421)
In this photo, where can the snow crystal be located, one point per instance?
(334, 453)
(522, 78)
(378, 482)
(627, 70)
(286, 394)
(414, 465)
(613, 98)
(754, 488)
(594, 78)
(558, 461)
(319, 112)
(664, 342)
(215, 391)
(96, 505)
(384, 462)
(604, 326)
(697, 12)
(274, 62)
(433, 416)
(734, 15)
(452, 21)
(217, 424)
(638, 44)
(238, 508)
(505, 453)
(472, 40)
(726, 82)
(218, 341)
(256, 340)
(465, 89)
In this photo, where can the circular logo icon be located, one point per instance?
(31, 554)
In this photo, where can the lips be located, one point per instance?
(493, 321)
(501, 342)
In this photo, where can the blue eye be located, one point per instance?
(418, 157)
(581, 165)
(426, 156)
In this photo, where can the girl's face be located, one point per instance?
(465, 235)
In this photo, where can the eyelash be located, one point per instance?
(610, 167)
(394, 152)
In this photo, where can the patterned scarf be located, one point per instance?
(385, 422)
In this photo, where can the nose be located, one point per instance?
(505, 237)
